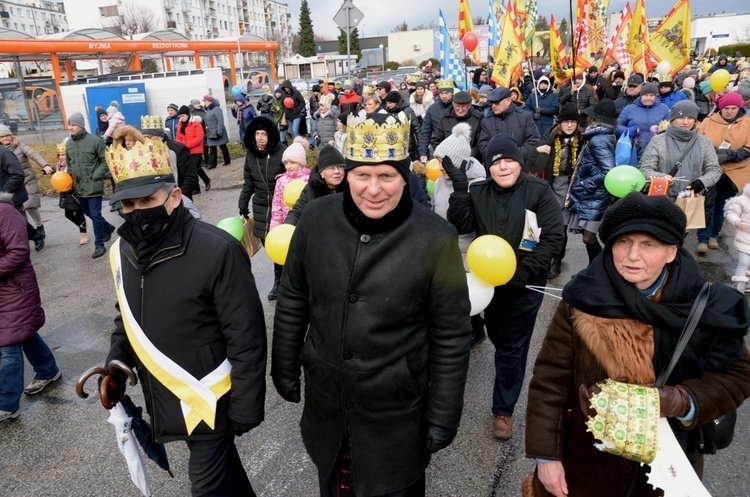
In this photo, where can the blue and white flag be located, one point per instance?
(451, 64)
(494, 21)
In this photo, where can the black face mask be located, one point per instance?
(147, 225)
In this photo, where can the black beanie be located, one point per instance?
(393, 97)
(502, 146)
(184, 109)
(569, 112)
(329, 156)
(656, 216)
(343, 117)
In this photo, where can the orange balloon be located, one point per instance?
(61, 181)
(433, 169)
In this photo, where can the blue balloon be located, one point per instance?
(236, 90)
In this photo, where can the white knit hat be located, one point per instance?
(457, 146)
(296, 152)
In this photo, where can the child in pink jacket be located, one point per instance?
(295, 162)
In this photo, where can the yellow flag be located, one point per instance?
(466, 25)
(591, 37)
(557, 58)
(637, 41)
(508, 56)
(671, 40)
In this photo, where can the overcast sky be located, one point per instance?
(380, 17)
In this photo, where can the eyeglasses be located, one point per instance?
(5, 136)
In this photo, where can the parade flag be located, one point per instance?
(671, 40)
(617, 46)
(493, 22)
(466, 25)
(637, 42)
(530, 26)
(509, 54)
(519, 10)
(450, 63)
(557, 57)
(591, 37)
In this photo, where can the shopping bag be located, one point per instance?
(249, 241)
(694, 208)
(624, 155)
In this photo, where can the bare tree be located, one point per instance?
(430, 25)
(742, 34)
(132, 19)
(400, 27)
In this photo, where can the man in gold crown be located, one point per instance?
(190, 321)
(382, 328)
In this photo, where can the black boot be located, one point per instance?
(477, 324)
(554, 268)
(274, 293)
(40, 229)
(38, 240)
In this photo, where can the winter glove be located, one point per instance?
(288, 388)
(538, 110)
(240, 429)
(696, 186)
(673, 401)
(439, 437)
(244, 213)
(722, 154)
(585, 393)
(458, 176)
(633, 132)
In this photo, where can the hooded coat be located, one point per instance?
(260, 171)
(588, 196)
(87, 164)
(738, 209)
(605, 328)
(216, 132)
(298, 110)
(643, 117)
(549, 105)
(380, 360)
(21, 313)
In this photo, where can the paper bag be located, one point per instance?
(694, 208)
(249, 241)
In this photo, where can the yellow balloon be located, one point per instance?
(491, 259)
(277, 243)
(719, 79)
(433, 169)
(706, 67)
(292, 191)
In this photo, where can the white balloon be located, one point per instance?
(480, 293)
(663, 68)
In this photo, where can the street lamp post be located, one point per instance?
(382, 56)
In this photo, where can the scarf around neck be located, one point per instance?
(676, 140)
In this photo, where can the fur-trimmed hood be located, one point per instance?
(6, 198)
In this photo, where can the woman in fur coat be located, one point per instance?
(620, 319)
(420, 100)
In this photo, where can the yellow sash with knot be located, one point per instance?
(197, 397)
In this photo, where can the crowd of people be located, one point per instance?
(385, 365)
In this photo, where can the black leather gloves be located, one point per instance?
(240, 429)
(457, 175)
(696, 186)
(673, 401)
(439, 437)
(288, 388)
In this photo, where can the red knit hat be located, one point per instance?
(731, 98)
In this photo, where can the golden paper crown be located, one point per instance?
(144, 159)
(348, 82)
(416, 79)
(152, 122)
(374, 142)
(366, 89)
(62, 147)
(445, 84)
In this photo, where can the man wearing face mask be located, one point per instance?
(198, 342)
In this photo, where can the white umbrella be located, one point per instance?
(128, 445)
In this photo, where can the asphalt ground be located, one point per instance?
(62, 445)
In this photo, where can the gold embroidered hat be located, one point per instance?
(152, 125)
(445, 85)
(374, 139)
(140, 171)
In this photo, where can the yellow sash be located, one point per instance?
(197, 397)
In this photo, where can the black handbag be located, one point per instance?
(718, 434)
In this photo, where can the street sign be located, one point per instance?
(722, 35)
(348, 16)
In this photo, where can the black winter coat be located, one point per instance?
(11, 177)
(543, 165)
(316, 187)
(444, 129)
(517, 123)
(432, 118)
(288, 90)
(196, 301)
(588, 196)
(380, 359)
(261, 169)
(489, 209)
(187, 173)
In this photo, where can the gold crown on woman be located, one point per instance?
(152, 122)
(371, 141)
(144, 159)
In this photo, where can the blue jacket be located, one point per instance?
(642, 117)
(672, 98)
(588, 196)
(171, 123)
(550, 105)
